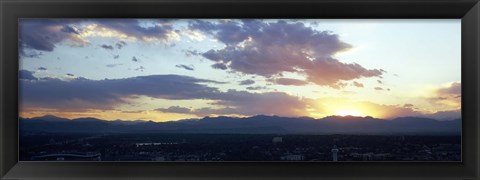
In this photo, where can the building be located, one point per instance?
(335, 153)
(276, 140)
(292, 157)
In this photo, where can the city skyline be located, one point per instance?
(161, 70)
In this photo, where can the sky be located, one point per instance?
(172, 69)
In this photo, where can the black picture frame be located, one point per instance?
(466, 10)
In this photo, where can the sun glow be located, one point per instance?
(347, 113)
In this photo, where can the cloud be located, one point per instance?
(120, 44)
(42, 68)
(116, 56)
(82, 94)
(357, 84)
(270, 48)
(135, 59)
(175, 109)
(44, 34)
(70, 29)
(455, 89)
(145, 30)
(221, 66)
(289, 82)
(256, 87)
(220, 111)
(241, 103)
(107, 47)
(201, 112)
(104, 94)
(247, 82)
(29, 53)
(268, 103)
(26, 75)
(449, 95)
(69, 74)
(190, 67)
(331, 71)
(378, 88)
(113, 65)
(141, 68)
(189, 53)
(330, 106)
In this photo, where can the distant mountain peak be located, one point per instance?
(260, 124)
(87, 119)
(50, 118)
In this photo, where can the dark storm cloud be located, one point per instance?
(247, 82)
(270, 48)
(289, 82)
(26, 75)
(108, 47)
(182, 66)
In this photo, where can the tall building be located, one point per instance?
(334, 153)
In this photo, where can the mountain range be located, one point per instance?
(259, 124)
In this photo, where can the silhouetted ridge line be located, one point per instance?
(260, 124)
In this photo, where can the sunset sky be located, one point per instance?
(161, 70)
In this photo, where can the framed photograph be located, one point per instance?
(225, 89)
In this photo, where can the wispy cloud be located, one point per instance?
(246, 82)
(186, 67)
(289, 81)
